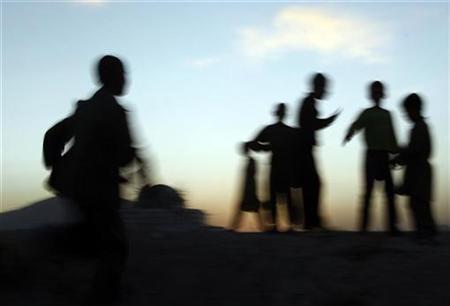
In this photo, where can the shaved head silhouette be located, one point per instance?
(111, 74)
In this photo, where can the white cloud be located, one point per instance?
(295, 29)
(91, 2)
(203, 62)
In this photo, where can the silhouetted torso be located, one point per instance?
(102, 144)
(309, 122)
(280, 138)
(415, 156)
(378, 129)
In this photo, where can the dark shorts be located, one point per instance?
(377, 164)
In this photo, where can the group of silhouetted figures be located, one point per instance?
(293, 164)
(100, 145)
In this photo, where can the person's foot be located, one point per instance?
(272, 231)
(394, 233)
(291, 232)
(307, 228)
(297, 229)
(320, 229)
(363, 232)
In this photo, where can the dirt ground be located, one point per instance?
(216, 267)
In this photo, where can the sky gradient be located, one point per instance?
(205, 76)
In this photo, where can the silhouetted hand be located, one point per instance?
(395, 162)
(333, 117)
(336, 113)
(347, 137)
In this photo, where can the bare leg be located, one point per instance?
(369, 181)
(259, 221)
(391, 209)
(236, 220)
(296, 207)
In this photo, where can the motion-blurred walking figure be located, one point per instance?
(309, 123)
(249, 201)
(417, 182)
(89, 172)
(380, 141)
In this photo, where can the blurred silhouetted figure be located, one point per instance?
(380, 141)
(278, 138)
(249, 201)
(309, 123)
(417, 182)
(89, 171)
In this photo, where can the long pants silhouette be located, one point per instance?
(311, 189)
(423, 218)
(108, 231)
(377, 168)
(280, 188)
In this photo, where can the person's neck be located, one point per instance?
(377, 104)
(107, 90)
(417, 119)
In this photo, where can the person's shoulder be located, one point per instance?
(82, 107)
(81, 104)
(366, 111)
(286, 127)
(104, 97)
(108, 101)
(308, 104)
(383, 110)
(270, 127)
(309, 99)
(119, 108)
(378, 112)
(421, 125)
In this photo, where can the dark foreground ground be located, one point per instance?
(215, 267)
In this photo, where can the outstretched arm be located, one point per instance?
(258, 146)
(308, 118)
(323, 123)
(261, 142)
(356, 125)
(350, 133)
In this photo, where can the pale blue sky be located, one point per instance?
(204, 76)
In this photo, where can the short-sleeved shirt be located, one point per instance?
(378, 129)
(281, 139)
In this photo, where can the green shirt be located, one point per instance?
(378, 129)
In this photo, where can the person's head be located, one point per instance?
(319, 84)
(111, 74)
(376, 92)
(280, 111)
(412, 105)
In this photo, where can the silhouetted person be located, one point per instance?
(380, 141)
(279, 138)
(89, 172)
(249, 201)
(418, 173)
(309, 123)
